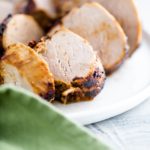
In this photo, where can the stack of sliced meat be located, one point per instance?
(124, 12)
(85, 39)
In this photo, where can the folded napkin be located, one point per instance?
(29, 123)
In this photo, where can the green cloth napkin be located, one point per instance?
(29, 123)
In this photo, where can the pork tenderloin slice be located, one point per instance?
(73, 64)
(99, 27)
(20, 29)
(124, 11)
(22, 67)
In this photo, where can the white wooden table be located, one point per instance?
(131, 130)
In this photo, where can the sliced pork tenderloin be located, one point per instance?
(99, 27)
(22, 67)
(77, 71)
(19, 29)
(124, 11)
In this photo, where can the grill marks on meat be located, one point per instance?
(20, 29)
(77, 71)
(100, 28)
(3, 26)
(21, 66)
(85, 88)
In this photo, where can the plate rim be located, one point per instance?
(113, 110)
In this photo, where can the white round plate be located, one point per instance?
(123, 90)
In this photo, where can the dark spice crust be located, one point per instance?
(32, 44)
(50, 95)
(60, 87)
(3, 26)
(72, 95)
(81, 89)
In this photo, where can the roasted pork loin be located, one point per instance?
(19, 29)
(22, 66)
(77, 71)
(61, 49)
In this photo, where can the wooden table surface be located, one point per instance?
(131, 130)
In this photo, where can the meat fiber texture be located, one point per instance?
(77, 71)
(21, 66)
(19, 28)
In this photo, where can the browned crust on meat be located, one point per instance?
(43, 20)
(1, 47)
(72, 95)
(60, 87)
(29, 7)
(63, 7)
(32, 44)
(3, 26)
(57, 7)
(81, 89)
(50, 95)
(1, 78)
(35, 69)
